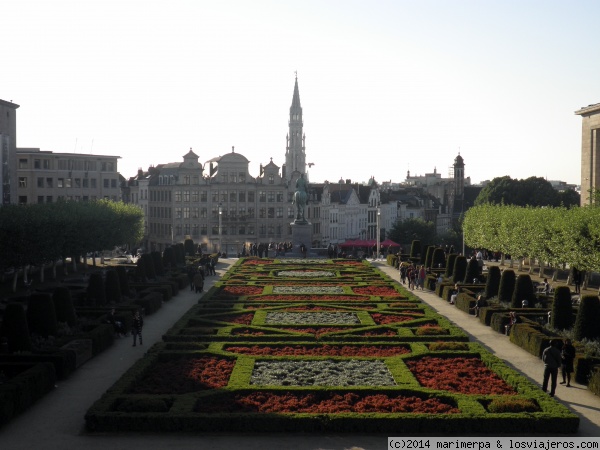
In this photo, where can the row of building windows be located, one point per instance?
(222, 196)
(196, 230)
(48, 182)
(23, 199)
(249, 213)
(67, 164)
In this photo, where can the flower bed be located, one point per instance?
(321, 345)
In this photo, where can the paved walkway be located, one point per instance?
(57, 420)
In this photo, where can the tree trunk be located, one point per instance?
(15, 279)
(74, 263)
(54, 269)
(25, 274)
(42, 266)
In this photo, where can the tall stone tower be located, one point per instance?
(8, 152)
(295, 156)
(590, 151)
(459, 184)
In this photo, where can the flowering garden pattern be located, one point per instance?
(321, 345)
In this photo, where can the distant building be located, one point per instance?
(47, 177)
(8, 152)
(590, 151)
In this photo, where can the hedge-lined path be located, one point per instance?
(577, 398)
(57, 420)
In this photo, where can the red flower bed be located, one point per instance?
(325, 403)
(183, 375)
(382, 319)
(257, 261)
(463, 375)
(317, 331)
(324, 350)
(382, 291)
(242, 290)
(312, 298)
(242, 319)
(379, 333)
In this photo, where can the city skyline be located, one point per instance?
(385, 87)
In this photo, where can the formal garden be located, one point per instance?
(321, 345)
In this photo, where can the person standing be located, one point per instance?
(568, 356)
(552, 361)
(136, 327)
(577, 280)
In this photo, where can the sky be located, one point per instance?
(385, 86)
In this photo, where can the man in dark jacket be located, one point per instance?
(552, 362)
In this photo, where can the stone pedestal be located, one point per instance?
(301, 234)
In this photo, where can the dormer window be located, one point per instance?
(271, 179)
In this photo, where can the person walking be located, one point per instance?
(552, 361)
(568, 356)
(136, 327)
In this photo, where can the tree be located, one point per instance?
(406, 231)
(533, 191)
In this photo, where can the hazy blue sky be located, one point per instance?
(385, 86)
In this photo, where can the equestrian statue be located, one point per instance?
(299, 199)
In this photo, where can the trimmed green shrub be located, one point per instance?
(63, 305)
(594, 381)
(123, 280)
(493, 282)
(562, 309)
(113, 287)
(523, 291)
(189, 247)
(460, 269)
(96, 292)
(169, 257)
(472, 271)
(429, 255)
(41, 315)
(180, 253)
(415, 249)
(450, 265)
(588, 318)
(439, 258)
(157, 261)
(140, 270)
(149, 266)
(15, 329)
(507, 286)
(512, 405)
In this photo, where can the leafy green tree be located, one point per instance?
(406, 231)
(533, 191)
(569, 198)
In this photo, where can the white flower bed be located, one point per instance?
(309, 318)
(321, 373)
(308, 290)
(305, 274)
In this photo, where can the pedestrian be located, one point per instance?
(199, 282)
(403, 273)
(552, 362)
(136, 327)
(191, 273)
(577, 280)
(568, 355)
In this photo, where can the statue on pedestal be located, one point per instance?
(299, 199)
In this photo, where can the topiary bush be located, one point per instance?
(472, 271)
(149, 266)
(460, 269)
(112, 287)
(562, 309)
(15, 329)
(507, 286)
(439, 258)
(523, 291)
(189, 247)
(169, 257)
(493, 282)
(180, 253)
(158, 265)
(429, 255)
(415, 249)
(96, 292)
(41, 315)
(450, 265)
(123, 280)
(63, 305)
(140, 270)
(588, 318)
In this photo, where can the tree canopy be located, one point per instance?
(533, 191)
(410, 229)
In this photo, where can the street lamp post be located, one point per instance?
(377, 230)
(220, 226)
